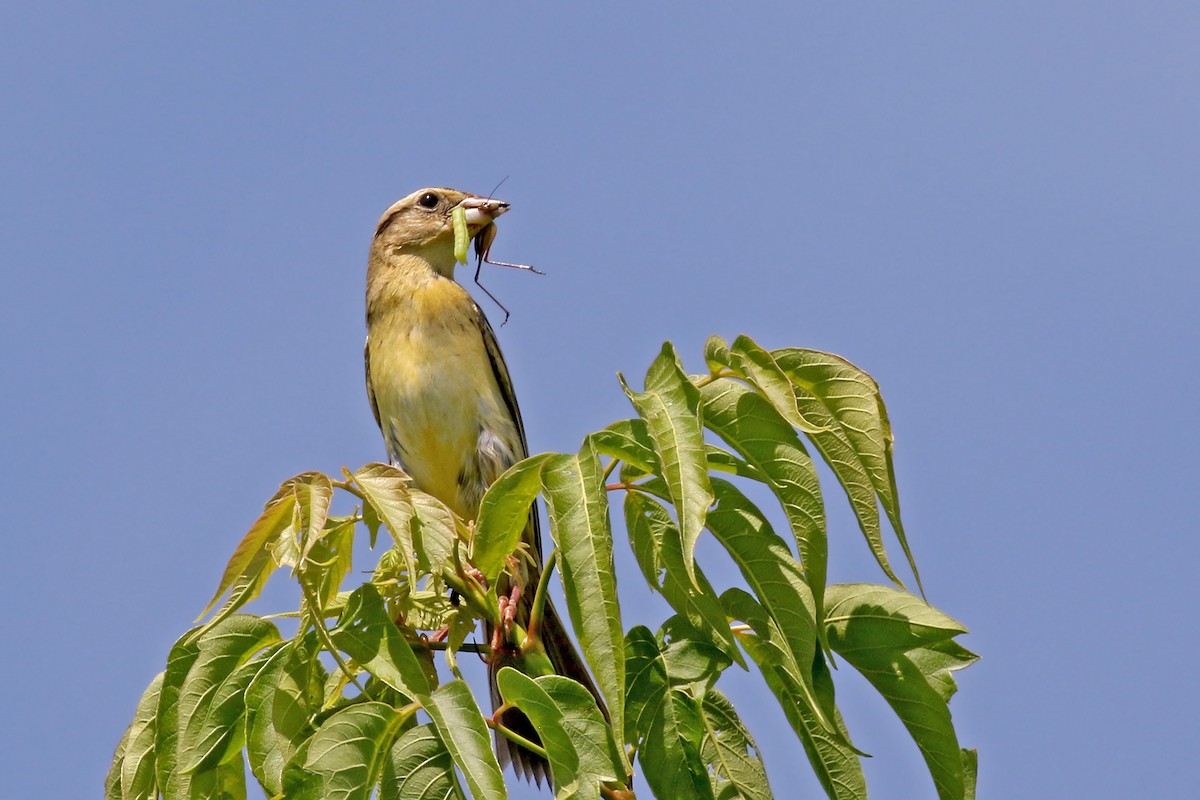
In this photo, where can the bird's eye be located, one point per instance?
(428, 200)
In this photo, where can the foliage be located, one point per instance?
(355, 703)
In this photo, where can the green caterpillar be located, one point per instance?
(462, 238)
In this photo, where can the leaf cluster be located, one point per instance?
(366, 698)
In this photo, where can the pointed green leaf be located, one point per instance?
(664, 723)
(386, 492)
(368, 635)
(898, 621)
(834, 760)
(970, 759)
(436, 532)
(247, 586)
(251, 562)
(546, 719)
(723, 461)
(314, 494)
(225, 782)
(577, 738)
(655, 542)
(646, 683)
(769, 443)
(112, 779)
(281, 703)
(628, 440)
(691, 660)
(875, 633)
(716, 354)
(858, 444)
(216, 733)
(758, 367)
(578, 506)
(211, 699)
(461, 726)
(914, 695)
(346, 754)
(326, 563)
(772, 573)
(670, 406)
(590, 733)
(166, 736)
(419, 767)
(133, 778)
(504, 515)
(730, 750)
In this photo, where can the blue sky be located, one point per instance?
(991, 207)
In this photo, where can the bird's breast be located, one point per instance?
(437, 397)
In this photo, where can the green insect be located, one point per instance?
(462, 237)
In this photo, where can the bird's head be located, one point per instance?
(420, 225)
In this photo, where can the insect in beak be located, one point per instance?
(479, 210)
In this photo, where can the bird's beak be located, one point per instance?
(482, 210)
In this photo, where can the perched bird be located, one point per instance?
(443, 399)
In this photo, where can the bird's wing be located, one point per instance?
(371, 386)
(500, 373)
(533, 531)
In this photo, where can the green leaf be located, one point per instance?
(166, 736)
(211, 699)
(251, 562)
(112, 779)
(716, 354)
(578, 507)
(691, 660)
(670, 754)
(326, 563)
(915, 698)
(646, 684)
(628, 440)
(546, 719)
(217, 732)
(590, 733)
(970, 759)
(875, 632)
(664, 723)
(723, 461)
(132, 777)
(281, 702)
(386, 493)
(461, 727)
(504, 515)
(758, 367)
(730, 750)
(834, 760)
(577, 738)
(756, 431)
(858, 444)
(773, 575)
(656, 545)
(419, 767)
(436, 532)
(367, 634)
(225, 782)
(898, 621)
(314, 494)
(670, 407)
(344, 759)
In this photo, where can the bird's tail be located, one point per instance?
(566, 662)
